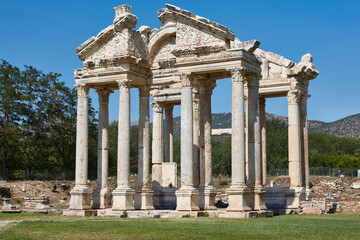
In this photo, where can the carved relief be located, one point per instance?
(115, 46)
(188, 35)
(164, 50)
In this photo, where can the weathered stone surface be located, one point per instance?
(174, 65)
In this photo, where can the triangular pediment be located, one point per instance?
(117, 39)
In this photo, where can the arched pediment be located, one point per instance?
(183, 32)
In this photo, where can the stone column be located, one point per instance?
(294, 138)
(305, 145)
(169, 137)
(207, 192)
(123, 195)
(143, 194)
(81, 194)
(238, 192)
(246, 138)
(187, 195)
(254, 144)
(102, 194)
(196, 135)
(262, 102)
(157, 151)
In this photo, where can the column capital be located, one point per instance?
(186, 79)
(157, 107)
(237, 74)
(304, 97)
(124, 86)
(253, 79)
(262, 102)
(104, 95)
(169, 109)
(82, 90)
(144, 91)
(293, 96)
(207, 85)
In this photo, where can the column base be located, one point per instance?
(187, 199)
(123, 199)
(238, 199)
(144, 200)
(80, 198)
(295, 196)
(259, 198)
(101, 199)
(207, 198)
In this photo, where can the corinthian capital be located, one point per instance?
(237, 74)
(104, 94)
(186, 79)
(82, 90)
(144, 91)
(293, 96)
(207, 85)
(124, 86)
(304, 97)
(169, 109)
(157, 107)
(262, 102)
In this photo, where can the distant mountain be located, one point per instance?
(348, 127)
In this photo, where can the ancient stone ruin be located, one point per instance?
(179, 64)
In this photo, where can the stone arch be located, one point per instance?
(161, 44)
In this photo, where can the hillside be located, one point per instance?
(348, 127)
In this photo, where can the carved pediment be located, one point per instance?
(193, 30)
(117, 40)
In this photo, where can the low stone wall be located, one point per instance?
(32, 202)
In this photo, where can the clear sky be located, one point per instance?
(45, 34)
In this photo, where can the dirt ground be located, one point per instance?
(330, 189)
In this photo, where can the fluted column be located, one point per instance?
(144, 195)
(187, 195)
(206, 191)
(295, 150)
(262, 102)
(81, 194)
(102, 194)
(254, 144)
(157, 151)
(295, 169)
(196, 135)
(305, 145)
(169, 137)
(238, 193)
(123, 195)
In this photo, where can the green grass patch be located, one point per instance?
(339, 226)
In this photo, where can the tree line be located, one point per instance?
(38, 131)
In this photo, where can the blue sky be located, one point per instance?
(45, 34)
